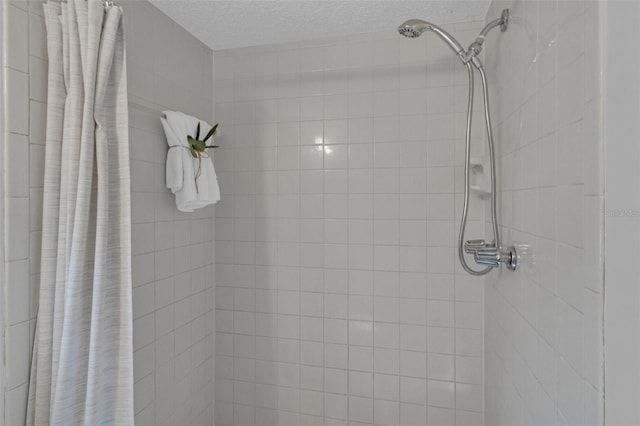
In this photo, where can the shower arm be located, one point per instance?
(476, 47)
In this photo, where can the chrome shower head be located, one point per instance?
(415, 27)
(409, 32)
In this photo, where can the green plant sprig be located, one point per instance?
(198, 148)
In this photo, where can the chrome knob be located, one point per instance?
(487, 257)
(490, 255)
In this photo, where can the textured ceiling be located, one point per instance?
(226, 24)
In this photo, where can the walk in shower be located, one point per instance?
(338, 294)
(410, 225)
(362, 178)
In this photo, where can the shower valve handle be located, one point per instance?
(483, 253)
(489, 255)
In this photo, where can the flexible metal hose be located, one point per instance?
(492, 159)
(467, 158)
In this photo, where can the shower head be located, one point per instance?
(415, 27)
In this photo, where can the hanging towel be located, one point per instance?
(181, 171)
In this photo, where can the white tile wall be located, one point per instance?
(22, 155)
(339, 299)
(173, 261)
(172, 251)
(543, 324)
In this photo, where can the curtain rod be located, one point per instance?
(150, 110)
(145, 108)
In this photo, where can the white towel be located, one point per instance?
(182, 167)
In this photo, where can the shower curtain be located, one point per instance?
(82, 366)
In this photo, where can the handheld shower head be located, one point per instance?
(415, 27)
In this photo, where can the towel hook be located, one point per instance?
(108, 3)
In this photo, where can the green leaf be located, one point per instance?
(198, 131)
(211, 132)
(194, 153)
(200, 146)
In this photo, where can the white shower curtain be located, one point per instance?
(82, 367)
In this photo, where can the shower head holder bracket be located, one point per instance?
(504, 17)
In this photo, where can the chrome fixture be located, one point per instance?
(491, 254)
(415, 27)
(487, 254)
(476, 47)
